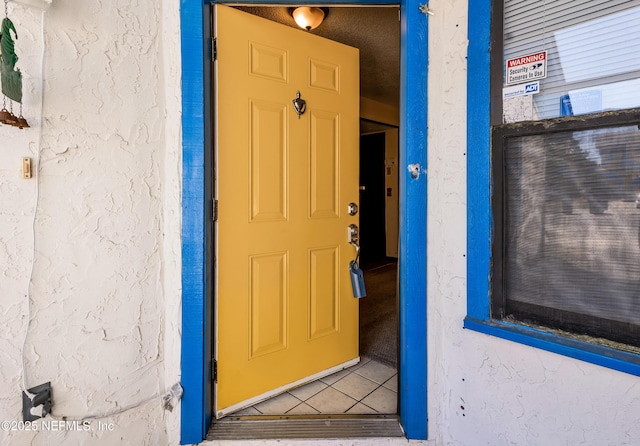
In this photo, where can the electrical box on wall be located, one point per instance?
(40, 4)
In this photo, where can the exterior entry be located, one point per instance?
(285, 312)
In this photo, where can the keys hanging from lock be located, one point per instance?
(357, 280)
(356, 274)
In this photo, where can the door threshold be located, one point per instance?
(270, 427)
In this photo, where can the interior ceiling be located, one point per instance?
(374, 30)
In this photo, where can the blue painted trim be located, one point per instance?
(310, 2)
(195, 415)
(196, 409)
(479, 216)
(584, 351)
(413, 220)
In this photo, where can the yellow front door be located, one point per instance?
(285, 311)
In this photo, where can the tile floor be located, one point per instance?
(368, 387)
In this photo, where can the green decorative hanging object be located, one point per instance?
(10, 76)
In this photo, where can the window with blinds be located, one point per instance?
(593, 53)
(566, 196)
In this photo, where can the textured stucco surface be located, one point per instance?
(105, 288)
(105, 295)
(484, 390)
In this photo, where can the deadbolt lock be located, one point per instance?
(354, 234)
(353, 209)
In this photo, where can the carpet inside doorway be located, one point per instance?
(379, 315)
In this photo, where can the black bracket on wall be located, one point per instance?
(31, 409)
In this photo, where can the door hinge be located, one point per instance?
(214, 210)
(214, 49)
(214, 370)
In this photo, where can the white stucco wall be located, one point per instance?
(105, 293)
(484, 390)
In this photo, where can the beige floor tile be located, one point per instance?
(376, 372)
(363, 360)
(278, 405)
(382, 400)
(308, 390)
(361, 409)
(392, 383)
(335, 377)
(303, 409)
(342, 373)
(331, 401)
(356, 386)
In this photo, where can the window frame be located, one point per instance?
(484, 189)
(500, 135)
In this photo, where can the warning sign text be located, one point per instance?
(526, 68)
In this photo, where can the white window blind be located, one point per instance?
(593, 59)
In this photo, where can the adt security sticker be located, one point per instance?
(521, 90)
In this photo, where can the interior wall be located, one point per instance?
(377, 117)
(393, 192)
(391, 183)
(104, 312)
(485, 390)
(372, 210)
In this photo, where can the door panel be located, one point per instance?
(284, 309)
(268, 303)
(323, 292)
(268, 161)
(323, 167)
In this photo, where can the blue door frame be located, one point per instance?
(197, 309)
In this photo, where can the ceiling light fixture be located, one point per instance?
(308, 17)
